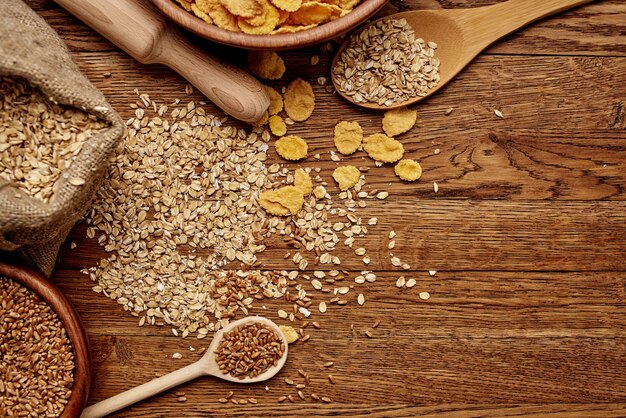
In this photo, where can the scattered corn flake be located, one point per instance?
(277, 125)
(266, 64)
(398, 121)
(346, 176)
(290, 334)
(382, 148)
(276, 101)
(348, 137)
(292, 147)
(299, 100)
(303, 181)
(287, 197)
(319, 192)
(263, 121)
(243, 8)
(408, 170)
(287, 5)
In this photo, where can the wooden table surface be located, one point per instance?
(527, 233)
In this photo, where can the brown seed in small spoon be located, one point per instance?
(206, 366)
(461, 34)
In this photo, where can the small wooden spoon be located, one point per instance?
(206, 366)
(461, 34)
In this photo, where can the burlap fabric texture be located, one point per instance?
(29, 228)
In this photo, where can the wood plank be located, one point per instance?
(543, 93)
(587, 410)
(462, 304)
(601, 23)
(480, 156)
(465, 235)
(410, 370)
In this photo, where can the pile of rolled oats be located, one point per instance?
(387, 64)
(39, 138)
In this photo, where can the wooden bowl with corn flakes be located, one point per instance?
(269, 24)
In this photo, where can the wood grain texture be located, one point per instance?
(527, 314)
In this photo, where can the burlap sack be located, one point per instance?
(30, 49)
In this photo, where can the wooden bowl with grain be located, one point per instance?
(363, 11)
(52, 296)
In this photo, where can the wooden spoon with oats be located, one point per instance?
(249, 350)
(384, 66)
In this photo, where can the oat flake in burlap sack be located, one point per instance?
(30, 49)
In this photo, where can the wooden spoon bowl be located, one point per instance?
(71, 321)
(462, 34)
(363, 11)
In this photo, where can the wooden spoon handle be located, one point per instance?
(491, 23)
(140, 30)
(131, 396)
(232, 89)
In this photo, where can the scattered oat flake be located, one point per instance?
(498, 114)
(448, 111)
(435, 187)
(432, 272)
(322, 307)
(424, 295)
(177, 356)
(360, 299)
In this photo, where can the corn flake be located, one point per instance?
(287, 5)
(266, 64)
(299, 100)
(398, 121)
(382, 148)
(277, 125)
(263, 23)
(186, 5)
(291, 147)
(348, 137)
(263, 121)
(315, 13)
(347, 176)
(276, 101)
(243, 8)
(302, 180)
(408, 170)
(196, 10)
(290, 333)
(282, 201)
(219, 14)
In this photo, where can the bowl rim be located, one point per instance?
(363, 11)
(52, 296)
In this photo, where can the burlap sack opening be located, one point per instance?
(30, 49)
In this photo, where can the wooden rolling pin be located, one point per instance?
(140, 30)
